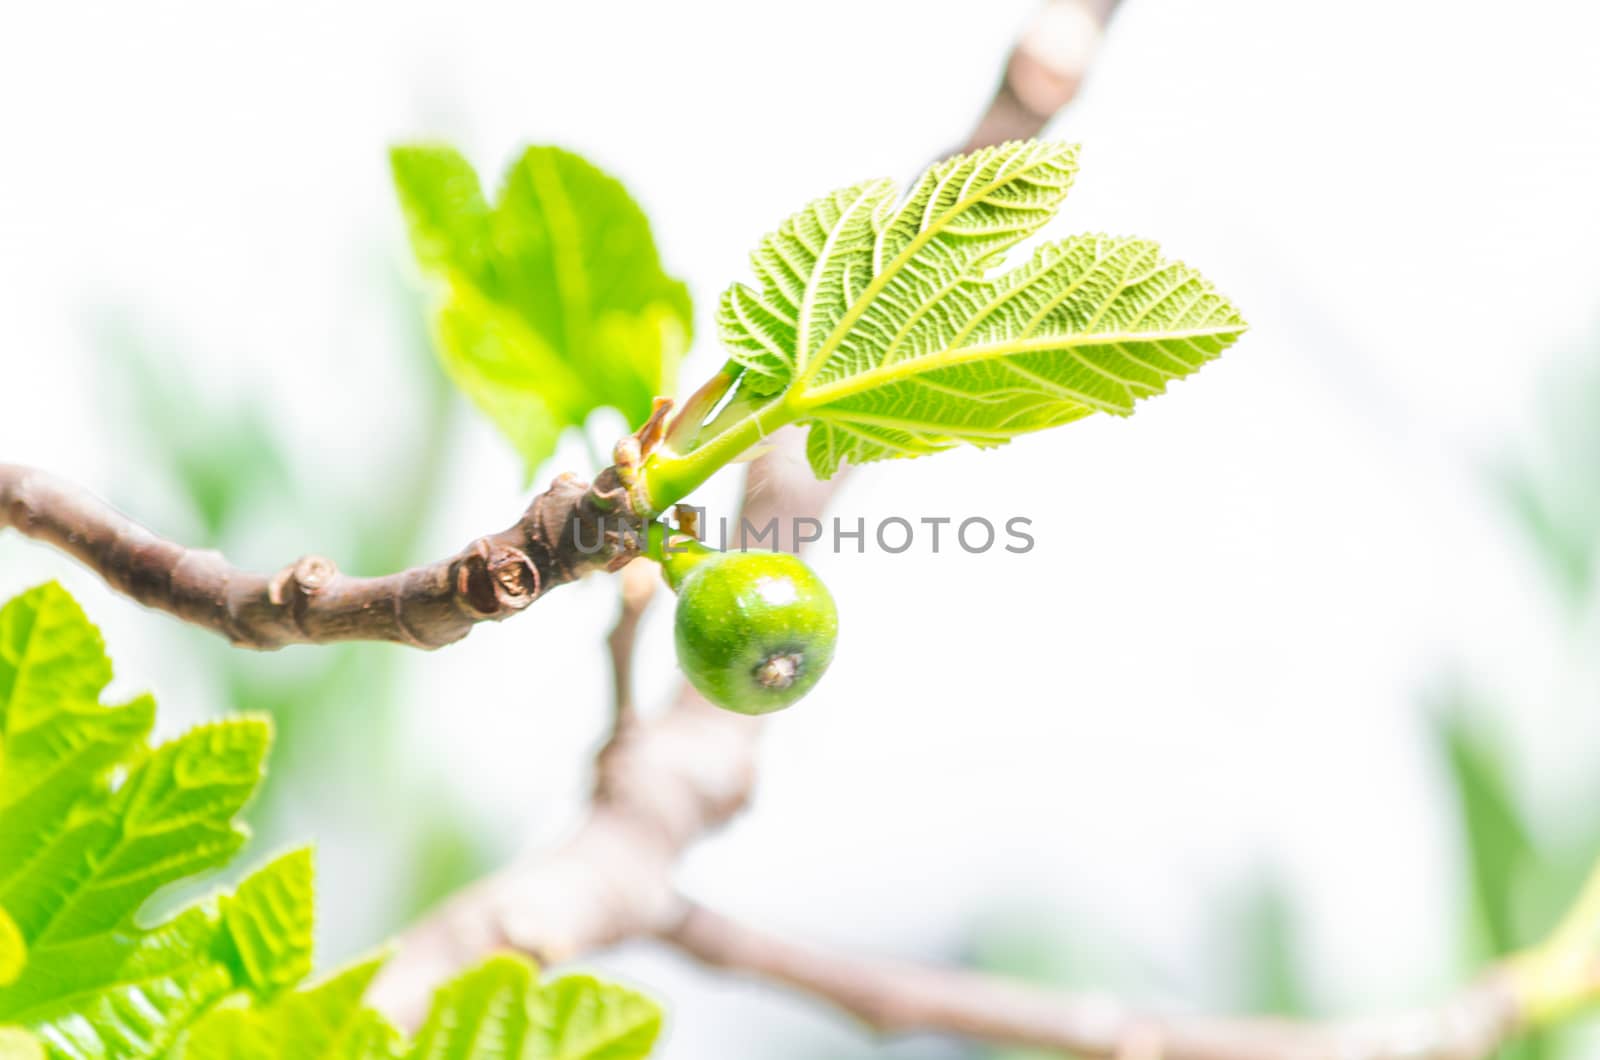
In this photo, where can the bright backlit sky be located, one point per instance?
(1214, 663)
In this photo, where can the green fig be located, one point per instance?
(755, 631)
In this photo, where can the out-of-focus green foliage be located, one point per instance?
(555, 303)
(1501, 858)
(1553, 490)
(1519, 885)
(1270, 964)
(94, 821)
(1498, 845)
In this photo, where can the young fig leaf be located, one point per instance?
(882, 323)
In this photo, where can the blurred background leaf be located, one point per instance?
(1499, 848)
(555, 302)
(1270, 974)
(1552, 487)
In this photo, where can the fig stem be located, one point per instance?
(677, 553)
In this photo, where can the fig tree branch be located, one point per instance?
(1532, 989)
(572, 528)
(1044, 72)
(898, 998)
(639, 581)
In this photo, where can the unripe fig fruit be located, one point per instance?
(755, 630)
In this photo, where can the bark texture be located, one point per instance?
(572, 528)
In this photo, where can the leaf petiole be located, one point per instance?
(668, 476)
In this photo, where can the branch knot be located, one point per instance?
(303, 578)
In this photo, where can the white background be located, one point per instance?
(1214, 664)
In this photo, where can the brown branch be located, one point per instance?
(639, 580)
(567, 531)
(1045, 72)
(898, 998)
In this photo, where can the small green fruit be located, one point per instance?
(755, 630)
